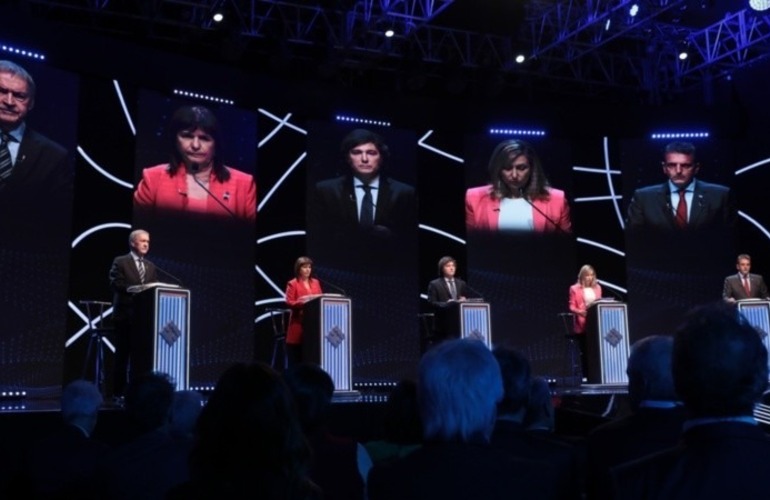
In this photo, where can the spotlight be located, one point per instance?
(218, 17)
(520, 58)
(389, 33)
(683, 55)
(759, 5)
(634, 10)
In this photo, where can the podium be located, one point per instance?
(467, 319)
(757, 313)
(160, 337)
(327, 339)
(607, 343)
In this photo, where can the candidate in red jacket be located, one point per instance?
(298, 291)
(195, 179)
(518, 197)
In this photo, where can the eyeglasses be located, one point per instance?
(683, 166)
(16, 96)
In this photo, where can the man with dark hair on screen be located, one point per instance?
(364, 202)
(744, 284)
(35, 176)
(683, 202)
(128, 270)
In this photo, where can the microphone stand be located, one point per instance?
(194, 169)
(332, 285)
(558, 227)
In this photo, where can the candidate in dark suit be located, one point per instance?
(720, 372)
(128, 270)
(444, 293)
(744, 285)
(683, 202)
(364, 209)
(36, 175)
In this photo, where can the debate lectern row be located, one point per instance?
(160, 339)
(327, 339)
(607, 343)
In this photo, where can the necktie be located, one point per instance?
(681, 210)
(6, 165)
(141, 270)
(746, 286)
(367, 206)
(452, 289)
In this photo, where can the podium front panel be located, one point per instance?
(336, 342)
(171, 335)
(757, 313)
(474, 322)
(613, 343)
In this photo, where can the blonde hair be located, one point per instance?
(585, 270)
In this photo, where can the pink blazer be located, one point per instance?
(158, 190)
(482, 211)
(577, 304)
(294, 292)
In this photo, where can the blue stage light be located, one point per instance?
(203, 97)
(679, 135)
(517, 131)
(364, 121)
(22, 52)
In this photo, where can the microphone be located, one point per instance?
(332, 285)
(178, 281)
(558, 227)
(194, 168)
(615, 294)
(477, 294)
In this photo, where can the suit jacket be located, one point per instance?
(38, 192)
(438, 291)
(294, 293)
(124, 274)
(716, 461)
(160, 191)
(650, 207)
(461, 471)
(482, 211)
(733, 287)
(577, 304)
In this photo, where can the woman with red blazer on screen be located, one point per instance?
(518, 197)
(298, 291)
(582, 294)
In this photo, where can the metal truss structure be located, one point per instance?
(589, 46)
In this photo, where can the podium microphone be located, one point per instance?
(476, 293)
(615, 294)
(557, 226)
(194, 168)
(332, 285)
(178, 281)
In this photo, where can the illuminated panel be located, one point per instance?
(171, 345)
(337, 342)
(614, 346)
(757, 313)
(474, 317)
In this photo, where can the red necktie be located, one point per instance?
(746, 286)
(681, 210)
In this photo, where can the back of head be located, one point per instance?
(649, 370)
(402, 415)
(516, 371)
(312, 389)
(80, 402)
(185, 409)
(458, 390)
(720, 365)
(148, 400)
(540, 411)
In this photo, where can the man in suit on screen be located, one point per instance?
(744, 284)
(683, 202)
(128, 270)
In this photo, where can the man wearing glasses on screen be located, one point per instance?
(683, 202)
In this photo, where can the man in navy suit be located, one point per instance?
(683, 202)
(364, 209)
(744, 285)
(720, 373)
(128, 270)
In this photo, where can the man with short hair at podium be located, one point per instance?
(744, 285)
(444, 292)
(128, 270)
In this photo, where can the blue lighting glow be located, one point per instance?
(21, 52)
(679, 135)
(365, 121)
(634, 10)
(517, 131)
(204, 97)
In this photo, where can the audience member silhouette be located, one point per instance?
(249, 443)
(339, 465)
(402, 427)
(540, 415)
(458, 389)
(656, 420)
(720, 372)
(63, 464)
(185, 409)
(153, 461)
(511, 435)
